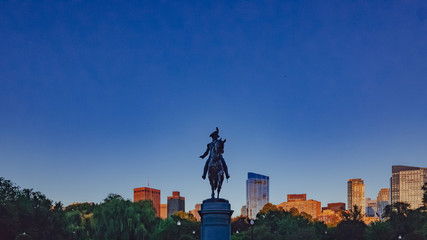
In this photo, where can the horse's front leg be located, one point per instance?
(212, 187)
(219, 185)
(213, 192)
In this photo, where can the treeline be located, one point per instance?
(27, 214)
(272, 222)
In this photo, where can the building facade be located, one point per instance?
(329, 217)
(311, 207)
(336, 207)
(370, 207)
(356, 194)
(296, 197)
(146, 193)
(257, 193)
(163, 211)
(176, 203)
(195, 212)
(383, 199)
(406, 183)
(243, 211)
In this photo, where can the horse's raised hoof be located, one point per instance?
(204, 176)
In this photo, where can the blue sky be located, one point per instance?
(97, 96)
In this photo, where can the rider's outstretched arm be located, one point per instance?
(206, 153)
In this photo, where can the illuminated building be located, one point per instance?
(331, 214)
(383, 199)
(146, 193)
(356, 194)
(371, 207)
(406, 183)
(257, 193)
(336, 207)
(176, 203)
(329, 217)
(163, 211)
(296, 197)
(298, 201)
(195, 212)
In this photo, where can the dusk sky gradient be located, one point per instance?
(97, 96)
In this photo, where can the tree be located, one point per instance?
(352, 227)
(425, 194)
(79, 218)
(379, 231)
(353, 215)
(24, 210)
(117, 218)
(168, 228)
(240, 224)
(275, 223)
(397, 214)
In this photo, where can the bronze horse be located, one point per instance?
(216, 169)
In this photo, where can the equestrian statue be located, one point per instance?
(215, 165)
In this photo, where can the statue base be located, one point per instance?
(216, 219)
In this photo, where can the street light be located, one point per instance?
(178, 224)
(237, 231)
(252, 229)
(194, 232)
(400, 237)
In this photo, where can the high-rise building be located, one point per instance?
(356, 194)
(406, 183)
(371, 207)
(257, 193)
(298, 201)
(163, 211)
(383, 199)
(176, 203)
(146, 193)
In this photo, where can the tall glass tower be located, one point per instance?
(257, 193)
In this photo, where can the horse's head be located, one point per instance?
(221, 145)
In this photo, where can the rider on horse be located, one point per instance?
(211, 152)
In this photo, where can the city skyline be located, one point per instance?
(97, 98)
(353, 185)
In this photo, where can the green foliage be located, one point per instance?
(379, 231)
(351, 227)
(168, 229)
(240, 224)
(23, 210)
(122, 219)
(81, 207)
(425, 194)
(275, 223)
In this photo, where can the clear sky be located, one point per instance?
(98, 96)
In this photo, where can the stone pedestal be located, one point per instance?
(216, 219)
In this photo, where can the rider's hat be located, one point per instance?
(215, 134)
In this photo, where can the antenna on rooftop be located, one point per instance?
(148, 181)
